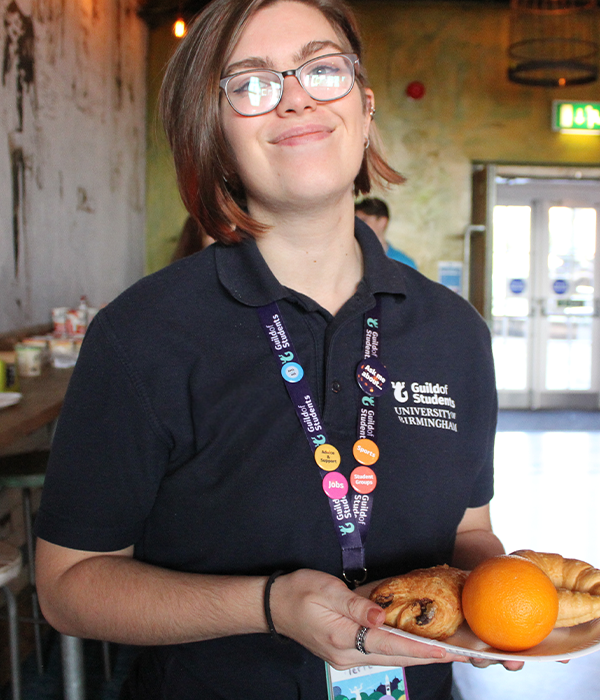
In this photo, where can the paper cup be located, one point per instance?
(29, 360)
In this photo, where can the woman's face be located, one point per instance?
(303, 153)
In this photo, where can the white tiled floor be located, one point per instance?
(547, 497)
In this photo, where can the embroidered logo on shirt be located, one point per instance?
(425, 404)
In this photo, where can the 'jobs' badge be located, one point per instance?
(335, 485)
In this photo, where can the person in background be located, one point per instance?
(376, 214)
(184, 507)
(191, 240)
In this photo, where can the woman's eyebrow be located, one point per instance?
(308, 50)
(314, 47)
(248, 63)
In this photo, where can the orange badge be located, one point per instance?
(363, 480)
(365, 451)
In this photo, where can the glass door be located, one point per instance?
(544, 298)
(512, 301)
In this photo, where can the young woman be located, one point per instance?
(185, 507)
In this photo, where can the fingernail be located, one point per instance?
(438, 654)
(374, 616)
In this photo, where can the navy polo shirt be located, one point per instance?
(178, 436)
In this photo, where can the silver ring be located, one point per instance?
(360, 640)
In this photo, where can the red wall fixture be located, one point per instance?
(415, 90)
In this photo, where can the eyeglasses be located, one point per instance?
(258, 91)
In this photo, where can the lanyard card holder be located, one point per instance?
(365, 682)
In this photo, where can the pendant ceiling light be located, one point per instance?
(553, 42)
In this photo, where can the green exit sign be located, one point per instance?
(576, 117)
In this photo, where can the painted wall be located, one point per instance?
(165, 211)
(72, 154)
(470, 112)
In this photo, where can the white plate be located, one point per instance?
(559, 645)
(9, 398)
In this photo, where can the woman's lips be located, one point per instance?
(302, 134)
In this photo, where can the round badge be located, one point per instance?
(372, 377)
(292, 372)
(335, 485)
(365, 451)
(327, 457)
(560, 286)
(363, 480)
(517, 285)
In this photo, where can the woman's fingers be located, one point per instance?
(508, 665)
(321, 613)
(379, 642)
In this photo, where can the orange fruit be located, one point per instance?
(510, 603)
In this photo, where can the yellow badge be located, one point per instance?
(327, 457)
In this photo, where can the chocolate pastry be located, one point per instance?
(426, 602)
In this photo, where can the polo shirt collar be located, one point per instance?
(244, 273)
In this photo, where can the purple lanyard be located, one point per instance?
(351, 518)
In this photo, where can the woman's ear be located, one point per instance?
(369, 109)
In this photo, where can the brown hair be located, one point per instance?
(373, 206)
(191, 240)
(189, 106)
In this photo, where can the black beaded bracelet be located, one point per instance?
(267, 606)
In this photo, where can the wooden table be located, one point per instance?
(42, 400)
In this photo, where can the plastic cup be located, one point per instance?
(29, 360)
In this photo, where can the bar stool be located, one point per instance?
(27, 472)
(10, 568)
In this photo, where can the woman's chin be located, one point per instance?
(309, 186)
(308, 197)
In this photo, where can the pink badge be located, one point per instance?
(335, 485)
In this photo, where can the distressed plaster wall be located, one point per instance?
(470, 112)
(72, 154)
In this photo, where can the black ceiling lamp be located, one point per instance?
(553, 43)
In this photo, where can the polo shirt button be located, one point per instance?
(336, 387)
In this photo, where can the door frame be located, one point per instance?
(478, 261)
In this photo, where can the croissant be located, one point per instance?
(426, 602)
(577, 583)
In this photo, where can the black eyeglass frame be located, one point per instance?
(224, 82)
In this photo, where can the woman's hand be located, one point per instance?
(320, 612)
(508, 665)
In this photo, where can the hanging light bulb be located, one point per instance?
(179, 28)
(553, 43)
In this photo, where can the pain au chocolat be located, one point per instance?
(425, 602)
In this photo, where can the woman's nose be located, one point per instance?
(295, 99)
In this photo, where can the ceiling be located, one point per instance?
(159, 12)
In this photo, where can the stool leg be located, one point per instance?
(13, 634)
(37, 617)
(71, 649)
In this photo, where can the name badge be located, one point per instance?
(365, 682)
